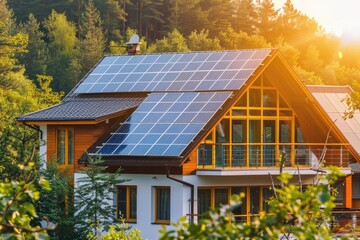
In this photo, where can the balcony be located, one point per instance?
(269, 155)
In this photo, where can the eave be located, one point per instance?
(88, 121)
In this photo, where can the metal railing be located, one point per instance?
(269, 155)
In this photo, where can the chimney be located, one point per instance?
(133, 46)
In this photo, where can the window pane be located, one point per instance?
(267, 194)
(163, 204)
(254, 137)
(133, 196)
(70, 146)
(254, 200)
(221, 197)
(269, 137)
(121, 202)
(240, 211)
(204, 200)
(269, 98)
(61, 146)
(255, 97)
(205, 155)
(242, 101)
(239, 131)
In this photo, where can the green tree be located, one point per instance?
(93, 197)
(62, 42)
(268, 19)
(310, 60)
(292, 214)
(220, 13)
(92, 43)
(229, 39)
(295, 27)
(35, 58)
(112, 15)
(200, 41)
(17, 140)
(174, 42)
(56, 205)
(245, 16)
(16, 207)
(121, 231)
(187, 16)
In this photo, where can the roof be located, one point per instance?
(84, 108)
(355, 167)
(331, 100)
(186, 92)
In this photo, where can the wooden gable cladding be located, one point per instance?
(84, 137)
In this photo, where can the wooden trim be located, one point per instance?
(71, 122)
(128, 201)
(347, 194)
(156, 220)
(66, 147)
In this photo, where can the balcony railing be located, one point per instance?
(269, 155)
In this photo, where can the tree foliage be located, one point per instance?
(93, 197)
(293, 214)
(16, 206)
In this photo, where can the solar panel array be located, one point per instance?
(202, 71)
(164, 124)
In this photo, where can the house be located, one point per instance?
(190, 129)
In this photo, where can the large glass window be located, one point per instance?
(126, 203)
(162, 205)
(255, 200)
(65, 146)
(256, 132)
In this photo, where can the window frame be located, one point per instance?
(247, 199)
(66, 147)
(156, 199)
(127, 216)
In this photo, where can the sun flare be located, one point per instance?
(341, 18)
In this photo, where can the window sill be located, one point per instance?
(161, 223)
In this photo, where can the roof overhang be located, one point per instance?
(262, 171)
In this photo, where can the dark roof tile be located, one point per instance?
(84, 108)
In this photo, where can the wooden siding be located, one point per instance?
(84, 137)
(190, 165)
(347, 198)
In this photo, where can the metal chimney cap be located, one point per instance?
(135, 39)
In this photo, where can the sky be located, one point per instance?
(339, 17)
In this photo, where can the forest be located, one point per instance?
(46, 47)
(66, 38)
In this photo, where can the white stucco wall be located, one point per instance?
(179, 200)
(43, 145)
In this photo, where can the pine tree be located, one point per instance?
(35, 59)
(62, 41)
(92, 44)
(93, 197)
(187, 16)
(220, 13)
(268, 19)
(245, 16)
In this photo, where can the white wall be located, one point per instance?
(179, 200)
(43, 146)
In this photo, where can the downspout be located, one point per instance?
(37, 128)
(191, 196)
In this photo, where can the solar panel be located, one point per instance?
(164, 124)
(173, 72)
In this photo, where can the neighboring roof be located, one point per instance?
(355, 167)
(331, 100)
(83, 108)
